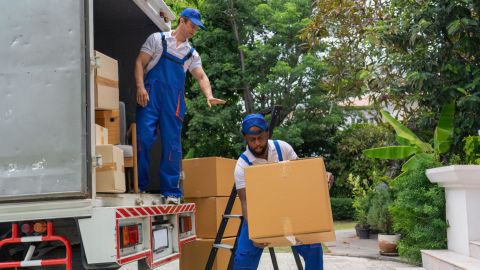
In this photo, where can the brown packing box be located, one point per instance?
(106, 83)
(288, 203)
(101, 135)
(209, 215)
(195, 254)
(208, 177)
(109, 119)
(111, 176)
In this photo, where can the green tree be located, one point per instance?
(259, 52)
(348, 158)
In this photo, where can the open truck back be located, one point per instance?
(50, 212)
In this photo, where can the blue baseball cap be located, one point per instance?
(254, 120)
(194, 16)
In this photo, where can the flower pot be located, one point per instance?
(362, 231)
(387, 243)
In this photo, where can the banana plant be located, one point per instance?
(413, 147)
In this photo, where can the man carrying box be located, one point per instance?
(163, 61)
(260, 150)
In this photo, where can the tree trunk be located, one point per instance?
(247, 93)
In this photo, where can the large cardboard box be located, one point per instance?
(111, 176)
(208, 177)
(109, 119)
(195, 254)
(288, 203)
(209, 215)
(106, 83)
(101, 135)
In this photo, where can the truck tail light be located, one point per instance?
(40, 226)
(130, 235)
(185, 224)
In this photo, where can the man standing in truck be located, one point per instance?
(160, 72)
(261, 150)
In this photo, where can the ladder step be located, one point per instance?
(232, 216)
(223, 246)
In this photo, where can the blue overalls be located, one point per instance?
(247, 256)
(165, 84)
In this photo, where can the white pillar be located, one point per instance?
(462, 192)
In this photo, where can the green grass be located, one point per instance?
(344, 225)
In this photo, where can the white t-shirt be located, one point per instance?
(287, 153)
(153, 47)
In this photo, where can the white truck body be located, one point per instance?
(47, 142)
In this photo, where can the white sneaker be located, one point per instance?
(172, 200)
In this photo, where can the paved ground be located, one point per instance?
(347, 253)
(331, 262)
(348, 244)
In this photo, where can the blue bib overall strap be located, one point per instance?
(279, 150)
(165, 84)
(247, 256)
(245, 158)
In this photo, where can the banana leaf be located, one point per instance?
(444, 131)
(414, 162)
(391, 152)
(403, 132)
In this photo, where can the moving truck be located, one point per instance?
(51, 216)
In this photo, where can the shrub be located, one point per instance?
(342, 208)
(472, 149)
(419, 212)
(349, 159)
(379, 216)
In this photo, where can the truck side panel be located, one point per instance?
(43, 108)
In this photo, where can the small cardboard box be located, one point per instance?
(288, 203)
(111, 176)
(106, 83)
(209, 215)
(195, 254)
(101, 135)
(208, 177)
(109, 119)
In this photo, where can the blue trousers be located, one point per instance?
(165, 84)
(247, 256)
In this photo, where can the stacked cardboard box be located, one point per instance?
(110, 176)
(208, 183)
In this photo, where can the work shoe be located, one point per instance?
(172, 200)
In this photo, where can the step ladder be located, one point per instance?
(217, 244)
(227, 215)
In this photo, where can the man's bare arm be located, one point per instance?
(202, 79)
(142, 61)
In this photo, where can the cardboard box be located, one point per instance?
(288, 203)
(106, 83)
(101, 135)
(208, 177)
(111, 176)
(209, 215)
(109, 119)
(195, 254)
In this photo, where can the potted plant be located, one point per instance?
(379, 217)
(362, 228)
(360, 204)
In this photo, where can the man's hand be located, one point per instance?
(214, 101)
(330, 179)
(142, 96)
(260, 245)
